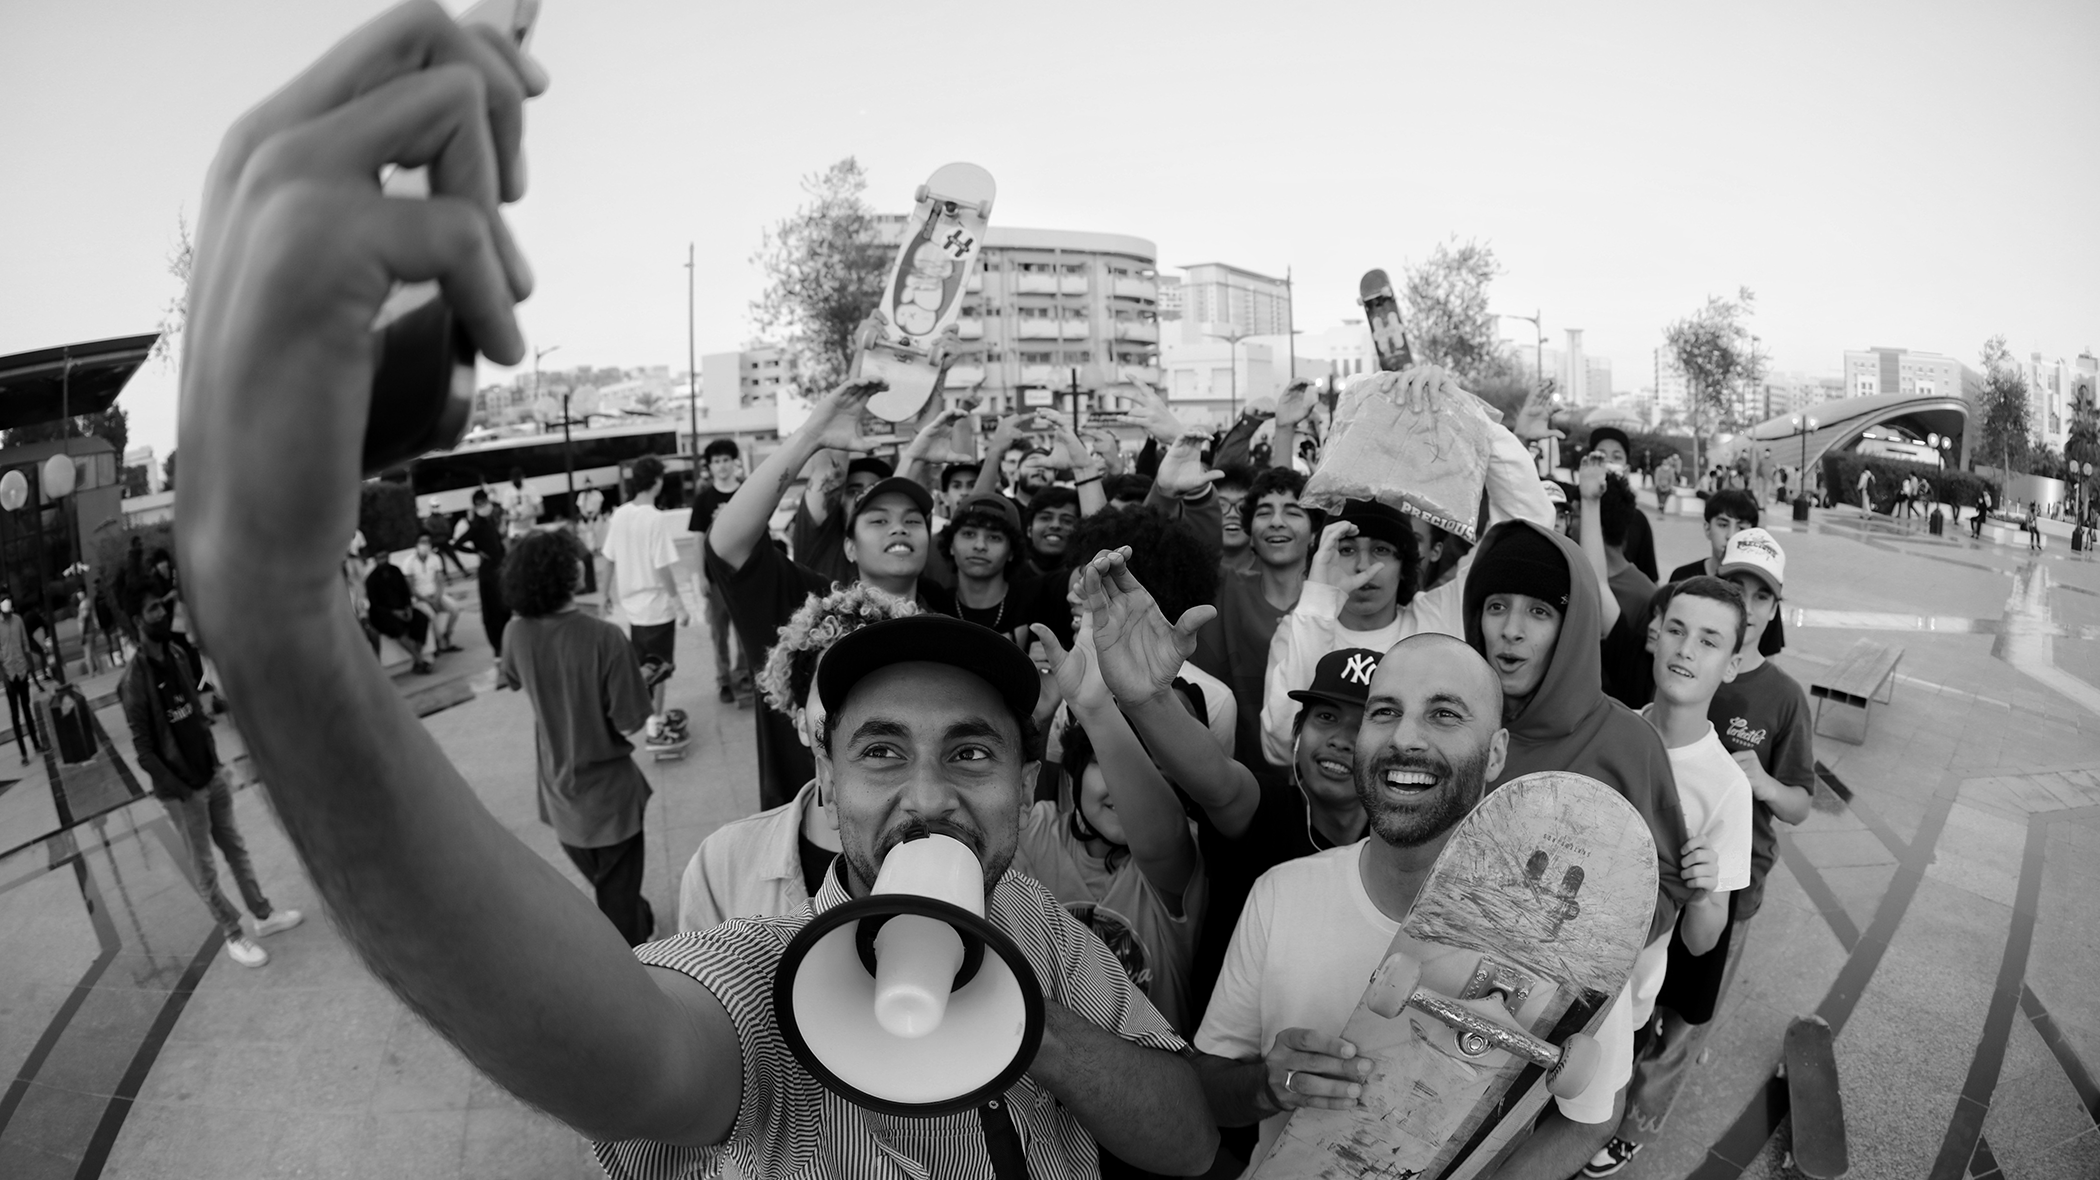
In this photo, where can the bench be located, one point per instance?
(1866, 674)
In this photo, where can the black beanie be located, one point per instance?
(1525, 561)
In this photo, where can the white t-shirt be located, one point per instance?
(638, 543)
(1714, 794)
(426, 575)
(1304, 951)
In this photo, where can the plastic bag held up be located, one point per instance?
(1432, 465)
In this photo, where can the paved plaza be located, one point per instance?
(1934, 909)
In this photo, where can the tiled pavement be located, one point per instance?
(1936, 908)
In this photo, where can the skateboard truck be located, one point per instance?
(1569, 1067)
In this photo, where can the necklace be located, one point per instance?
(997, 619)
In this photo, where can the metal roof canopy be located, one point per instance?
(49, 383)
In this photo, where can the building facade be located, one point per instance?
(1232, 300)
(1913, 374)
(1049, 310)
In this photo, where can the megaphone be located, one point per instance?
(909, 1001)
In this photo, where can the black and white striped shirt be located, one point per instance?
(789, 1125)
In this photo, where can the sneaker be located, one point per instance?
(726, 695)
(1613, 1157)
(278, 922)
(243, 950)
(665, 739)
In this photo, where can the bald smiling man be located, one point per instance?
(1315, 929)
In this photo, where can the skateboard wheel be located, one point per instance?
(1579, 1059)
(919, 197)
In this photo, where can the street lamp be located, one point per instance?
(1233, 338)
(1538, 359)
(1804, 426)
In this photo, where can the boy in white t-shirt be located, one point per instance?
(642, 580)
(1677, 979)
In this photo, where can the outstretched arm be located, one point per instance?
(1153, 823)
(1590, 485)
(296, 250)
(1140, 653)
(833, 422)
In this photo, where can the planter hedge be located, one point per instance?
(386, 513)
(1961, 489)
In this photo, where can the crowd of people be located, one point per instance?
(1203, 740)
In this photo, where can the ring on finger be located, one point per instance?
(1287, 1076)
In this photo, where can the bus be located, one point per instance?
(601, 456)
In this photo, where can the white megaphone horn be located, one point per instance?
(909, 1001)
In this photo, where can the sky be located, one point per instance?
(1916, 174)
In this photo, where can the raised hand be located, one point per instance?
(1331, 569)
(1155, 415)
(835, 421)
(932, 445)
(297, 247)
(1076, 672)
(1294, 405)
(1534, 420)
(1589, 478)
(1181, 471)
(1140, 652)
(1105, 448)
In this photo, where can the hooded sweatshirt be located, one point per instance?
(1569, 724)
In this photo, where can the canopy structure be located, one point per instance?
(50, 383)
(1839, 424)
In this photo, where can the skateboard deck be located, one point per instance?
(1523, 935)
(659, 753)
(1382, 313)
(923, 295)
(1812, 1094)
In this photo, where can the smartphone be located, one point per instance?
(423, 383)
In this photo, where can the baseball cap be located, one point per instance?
(906, 487)
(1342, 677)
(932, 639)
(1601, 433)
(1754, 551)
(1380, 522)
(1555, 493)
(993, 504)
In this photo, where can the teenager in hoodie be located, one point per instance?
(1529, 587)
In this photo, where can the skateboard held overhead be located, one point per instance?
(1818, 1109)
(1382, 313)
(1489, 998)
(924, 292)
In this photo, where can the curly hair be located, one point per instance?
(978, 518)
(1268, 481)
(647, 472)
(1164, 554)
(791, 667)
(541, 570)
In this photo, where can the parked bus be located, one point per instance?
(600, 454)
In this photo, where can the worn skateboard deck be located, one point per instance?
(923, 296)
(1818, 1109)
(1382, 313)
(1531, 917)
(659, 753)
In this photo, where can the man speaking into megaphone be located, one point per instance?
(682, 1054)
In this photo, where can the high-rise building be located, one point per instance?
(1170, 297)
(1599, 388)
(1232, 300)
(1673, 399)
(2051, 394)
(1049, 309)
(1574, 372)
(1913, 374)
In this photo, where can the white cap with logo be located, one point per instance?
(1754, 551)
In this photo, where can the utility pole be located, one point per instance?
(568, 449)
(692, 374)
(1233, 339)
(1290, 325)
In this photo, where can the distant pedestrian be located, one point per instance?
(588, 700)
(480, 535)
(438, 527)
(521, 505)
(173, 744)
(14, 662)
(1866, 484)
(643, 578)
(723, 479)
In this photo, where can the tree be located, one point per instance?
(824, 274)
(2005, 430)
(1447, 317)
(176, 316)
(167, 473)
(1712, 348)
(111, 424)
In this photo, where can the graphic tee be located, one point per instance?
(1765, 710)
